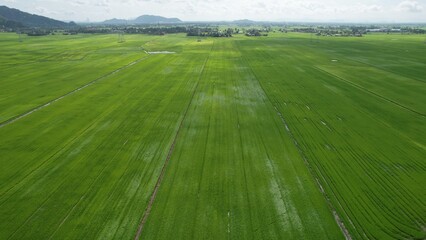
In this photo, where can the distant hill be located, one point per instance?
(11, 17)
(144, 19)
(244, 22)
(151, 19)
(9, 24)
(116, 21)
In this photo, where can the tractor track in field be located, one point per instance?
(55, 190)
(386, 70)
(20, 116)
(371, 92)
(89, 190)
(66, 144)
(83, 197)
(336, 216)
(334, 212)
(169, 155)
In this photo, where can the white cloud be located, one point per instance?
(373, 8)
(410, 6)
(77, 3)
(103, 3)
(271, 10)
(41, 10)
(312, 6)
(45, 11)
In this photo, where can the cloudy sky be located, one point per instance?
(207, 10)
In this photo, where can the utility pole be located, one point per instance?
(19, 36)
(121, 37)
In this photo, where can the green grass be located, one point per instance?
(257, 138)
(235, 172)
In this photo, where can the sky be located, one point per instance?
(389, 11)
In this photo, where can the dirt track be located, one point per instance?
(16, 118)
(169, 155)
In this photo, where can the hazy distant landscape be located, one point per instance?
(160, 127)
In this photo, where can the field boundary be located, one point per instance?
(169, 155)
(335, 214)
(20, 116)
(386, 70)
(321, 188)
(369, 91)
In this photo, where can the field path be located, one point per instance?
(337, 218)
(358, 137)
(169, 155)
(16, 118)
(371, 92)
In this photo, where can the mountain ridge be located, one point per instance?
(144, 19)
(11, 17)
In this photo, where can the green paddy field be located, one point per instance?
(279, 137)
